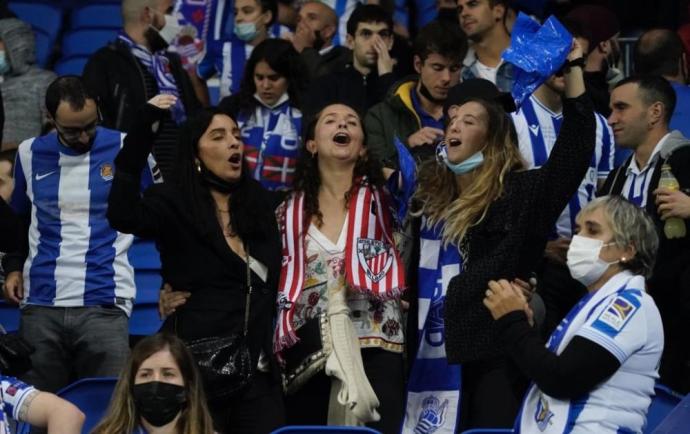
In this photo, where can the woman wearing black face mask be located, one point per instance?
(159, 391)
(218, 238)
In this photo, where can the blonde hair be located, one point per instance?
(122, 417)
(437, 196)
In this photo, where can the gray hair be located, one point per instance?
(631, 225)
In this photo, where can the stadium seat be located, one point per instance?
(9, 317)
(144, 255)
(678, 420)
(91, 395)
(148, 283)
(71, 66)
(44, 47)
(324, 429)
(86, 42)
(662, 403)
(43, 16)
(144, 320)
(97, 15)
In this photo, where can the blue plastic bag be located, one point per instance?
(536, 52)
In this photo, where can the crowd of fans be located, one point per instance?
(365, 225)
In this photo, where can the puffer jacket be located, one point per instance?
(24, 85)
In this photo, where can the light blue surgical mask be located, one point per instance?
(4, 64)
(462, 167)
(246, 31)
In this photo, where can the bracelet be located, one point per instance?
(580, 61)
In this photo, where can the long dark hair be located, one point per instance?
(308, 178)
(283, 59)
(247, 213)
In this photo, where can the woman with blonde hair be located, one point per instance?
(159, 391)
(483, 217)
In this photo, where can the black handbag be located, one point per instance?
(224, 361)
(15, 355)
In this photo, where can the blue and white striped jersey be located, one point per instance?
(537, 128)
(225, 58)
(75, 258)
(13, 394)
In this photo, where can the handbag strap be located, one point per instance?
(249, 291)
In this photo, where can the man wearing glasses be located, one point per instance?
(75, 284)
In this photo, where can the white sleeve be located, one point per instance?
(620, 327)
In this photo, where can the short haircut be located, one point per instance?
(653, 88)
(269, 6)
(68, 88)
(658, 52)
(132, 8)
(368, 14)
(440, 38)
(630, 225)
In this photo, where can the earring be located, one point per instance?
(313, 155)
(197, 165)
(623, 259)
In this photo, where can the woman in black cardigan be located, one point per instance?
(499, 217)
(207, 222)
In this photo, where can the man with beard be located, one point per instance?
(483, 21)
(136, 67)
(74, 282)
(365, 81)
(413, 111)
(317, 26)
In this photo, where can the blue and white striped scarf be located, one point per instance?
(159, 66)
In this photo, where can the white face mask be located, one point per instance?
(584, 262)
(171, 29)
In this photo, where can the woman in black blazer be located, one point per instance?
(207, 222)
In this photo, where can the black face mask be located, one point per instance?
(448, 15)
(426, 94)
(217, 183)
(319, 42)
(155, 40)
(157, 402)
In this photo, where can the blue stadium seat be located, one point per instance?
(148, 283)
(324, 429)
(678, 420)
(44, 48)
(144, 255)
(9, 317)
(144, 320)
(662, 403)
(71, 66)
(43, 16)
(86, 42)
(90, 395)
(97, 15)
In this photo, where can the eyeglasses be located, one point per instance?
(74, 133)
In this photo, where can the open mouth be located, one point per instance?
(342, 138)
(235, 158)
(454, 142)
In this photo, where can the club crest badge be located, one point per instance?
(432, 416)
(375, 257)
(107, 171)
(543, 415)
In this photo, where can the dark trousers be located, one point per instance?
(260, 410)
(492, 392)
(384, 369)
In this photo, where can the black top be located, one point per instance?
(194, 255)
(347, 86)
(510, 241)
(9, 228)
(117, 79)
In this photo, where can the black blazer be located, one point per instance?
(195, 256)
(510, 241)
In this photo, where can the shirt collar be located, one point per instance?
(326, 50)
(280, 101)
(635, 170)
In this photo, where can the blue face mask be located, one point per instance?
(465, 166)
(246, 31)
(4, 64)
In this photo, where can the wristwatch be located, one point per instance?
(580, 61)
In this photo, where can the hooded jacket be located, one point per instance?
(24, 85)
(394, 117)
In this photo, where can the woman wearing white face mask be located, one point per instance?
(598, 369)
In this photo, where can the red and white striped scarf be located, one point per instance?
(373, 264)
